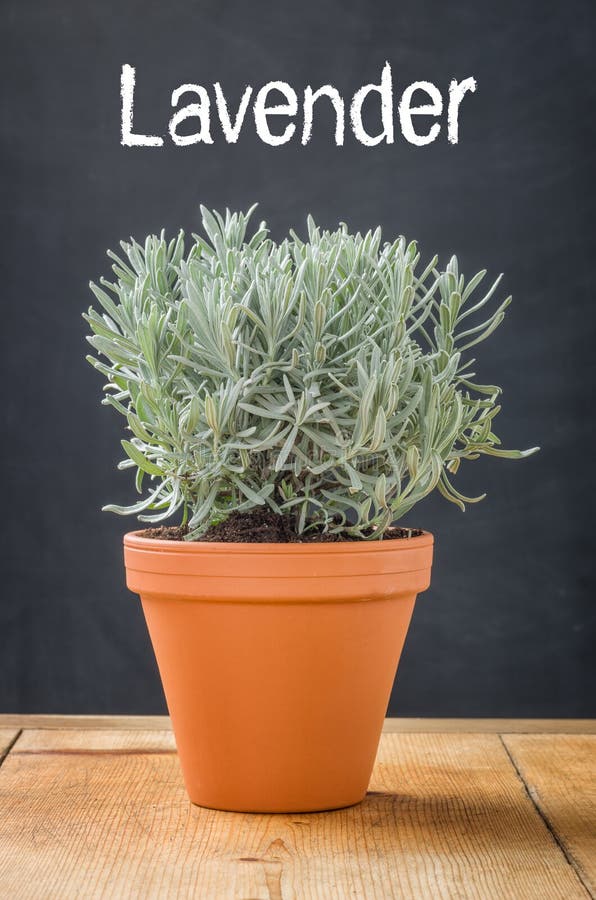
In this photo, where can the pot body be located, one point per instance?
(277, 661)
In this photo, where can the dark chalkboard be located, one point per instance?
(505, 628)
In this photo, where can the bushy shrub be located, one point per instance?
(328, 379)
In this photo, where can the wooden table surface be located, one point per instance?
(95, 807)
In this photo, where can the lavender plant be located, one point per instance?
(328, 379)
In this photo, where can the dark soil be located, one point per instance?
(263, 526)
(166, 532)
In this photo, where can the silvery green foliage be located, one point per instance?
(328, 379)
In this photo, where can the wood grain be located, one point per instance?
(447, 817)
(408, 725)
(560, 774)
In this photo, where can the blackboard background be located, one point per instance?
(505, 629)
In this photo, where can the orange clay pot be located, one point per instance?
(277, 661)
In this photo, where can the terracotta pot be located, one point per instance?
(277, 661)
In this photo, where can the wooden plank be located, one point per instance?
(447, 817)
(560, 774)
(392, 726)
(94, 740)
(489, 726)
(143, 723)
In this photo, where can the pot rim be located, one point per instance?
(135, 540)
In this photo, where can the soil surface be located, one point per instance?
(263, 526)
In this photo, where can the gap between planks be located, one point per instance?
(558, 841)
(558, 774)
(8, 738)
(392, 725)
